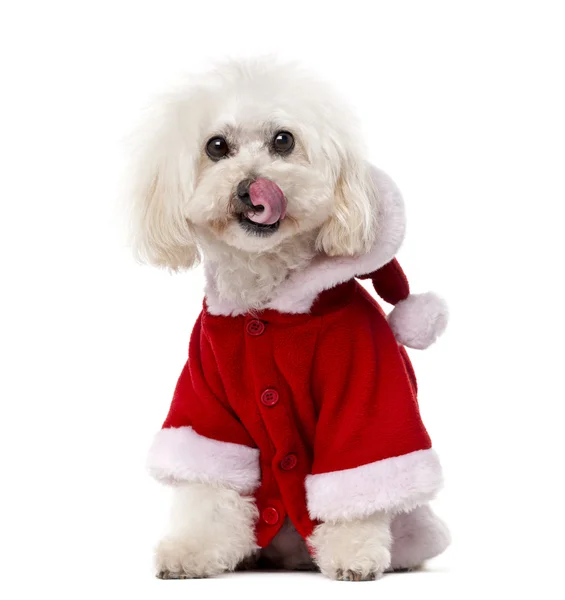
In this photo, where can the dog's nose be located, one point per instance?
(243, 194)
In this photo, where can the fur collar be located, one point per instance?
(297, 293)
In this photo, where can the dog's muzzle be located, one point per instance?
(265, 203)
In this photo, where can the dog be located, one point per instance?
(294, 438)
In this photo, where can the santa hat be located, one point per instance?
(417, 320)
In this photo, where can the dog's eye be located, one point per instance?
(217, 148)
(283, 142)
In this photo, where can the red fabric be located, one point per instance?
(345, 395)
(390, 282)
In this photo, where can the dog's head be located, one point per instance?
(251, 154)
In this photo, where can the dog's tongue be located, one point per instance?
(266, 193)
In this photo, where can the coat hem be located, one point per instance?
(397, 484)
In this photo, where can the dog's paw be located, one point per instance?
(165, 574)
(178, 558)
(349, 575)
(356, 550)
(366, 566)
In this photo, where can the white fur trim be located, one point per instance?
(417, 536)
(298, 292)
(180, 454)
(419, 320)
(395, 484)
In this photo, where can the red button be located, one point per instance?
(255, 327)
(289, 462)
(270, 397)
(270, 515)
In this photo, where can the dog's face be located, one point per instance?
(251, 155)
(250, 147)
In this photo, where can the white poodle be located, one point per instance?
(294, 438)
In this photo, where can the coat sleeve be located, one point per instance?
(202, 440)
(371, 450)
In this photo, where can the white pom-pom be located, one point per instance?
(419, 320)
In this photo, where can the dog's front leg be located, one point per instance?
(356, 550)
(212, 529)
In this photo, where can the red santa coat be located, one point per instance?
(309, 405)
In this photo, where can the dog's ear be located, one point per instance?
(161, 186)
(351, 228)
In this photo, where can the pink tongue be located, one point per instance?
(266, 193)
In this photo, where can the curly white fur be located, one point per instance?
(240, 281)
(211, 531)
(359, 548)
(184, 202)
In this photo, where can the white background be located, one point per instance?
(462, 103)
